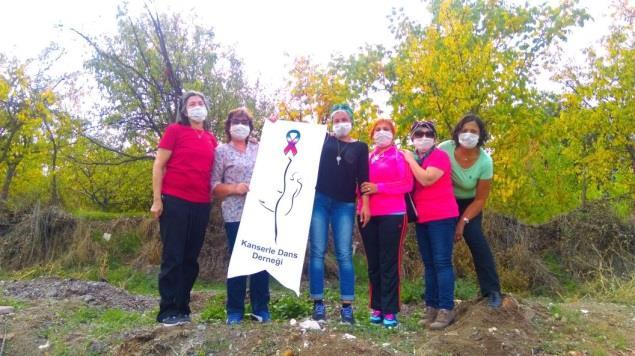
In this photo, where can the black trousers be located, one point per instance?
(383, 238)
(182, 227)
(481, 253)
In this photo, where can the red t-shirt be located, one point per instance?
(436, 201)
(188, 171)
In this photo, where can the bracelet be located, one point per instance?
(466, 220)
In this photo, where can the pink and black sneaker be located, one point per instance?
(376, 317)
(390, 321)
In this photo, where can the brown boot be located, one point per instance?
(429, 316)
(444, 318)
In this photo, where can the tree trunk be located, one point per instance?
(55, 197)
(584, 189)
(11, 169)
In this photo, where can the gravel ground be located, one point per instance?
(93, 293)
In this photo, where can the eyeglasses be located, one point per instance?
(239, 122)
(382, 128)
(420, 134)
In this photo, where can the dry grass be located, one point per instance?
(38, 237)
(591, 247)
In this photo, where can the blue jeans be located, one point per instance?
(341, 216)
(236, 286)
(436, 240)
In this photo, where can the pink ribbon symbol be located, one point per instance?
(291, 142)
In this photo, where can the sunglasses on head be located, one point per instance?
(420, 134)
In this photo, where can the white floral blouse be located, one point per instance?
(231, 167)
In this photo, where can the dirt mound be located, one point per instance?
(479, 330)
(159, 341)
(93, 293)
(269, 339)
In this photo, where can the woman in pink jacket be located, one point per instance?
(389, 179)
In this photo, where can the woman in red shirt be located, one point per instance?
(181, 178)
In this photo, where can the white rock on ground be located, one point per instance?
(310, 325)
(6, 310)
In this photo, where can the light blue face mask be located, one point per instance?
(239, 131)
(382, 138)
(197, 113)
(423, 144)
(342, 129)
(468, 140)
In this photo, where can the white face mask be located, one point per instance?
(468, 140)
(197, 113)
(342, 129)
(239, 132)
(382, 138)
(423, 144)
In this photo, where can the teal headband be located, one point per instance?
(344, 108)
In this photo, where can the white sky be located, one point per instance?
(267, 35)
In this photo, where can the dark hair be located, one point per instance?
(483, 135)
(238, 112)
(183, 119)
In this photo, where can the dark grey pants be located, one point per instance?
(383, 238)
(481, 253)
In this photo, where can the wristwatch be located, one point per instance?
(466, 220)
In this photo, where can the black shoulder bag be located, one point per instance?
(411, 209)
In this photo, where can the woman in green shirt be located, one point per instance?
(472, 172)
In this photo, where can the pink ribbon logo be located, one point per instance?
(292, 141)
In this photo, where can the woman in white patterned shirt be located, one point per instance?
(233, 166)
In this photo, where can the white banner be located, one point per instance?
(274, 226)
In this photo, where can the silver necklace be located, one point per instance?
(339, 152)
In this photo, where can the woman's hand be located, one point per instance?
(241, 188)
(273, 118)
(409, 156)
(369, 188)
(156, 209)
(458, 233)
(364, 215)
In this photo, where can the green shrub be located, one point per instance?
(288, 306)
(411, 291)
(466, 288)
(215, 309)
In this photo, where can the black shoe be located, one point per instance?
(185, 318)
(173, 320)
(494, 300)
